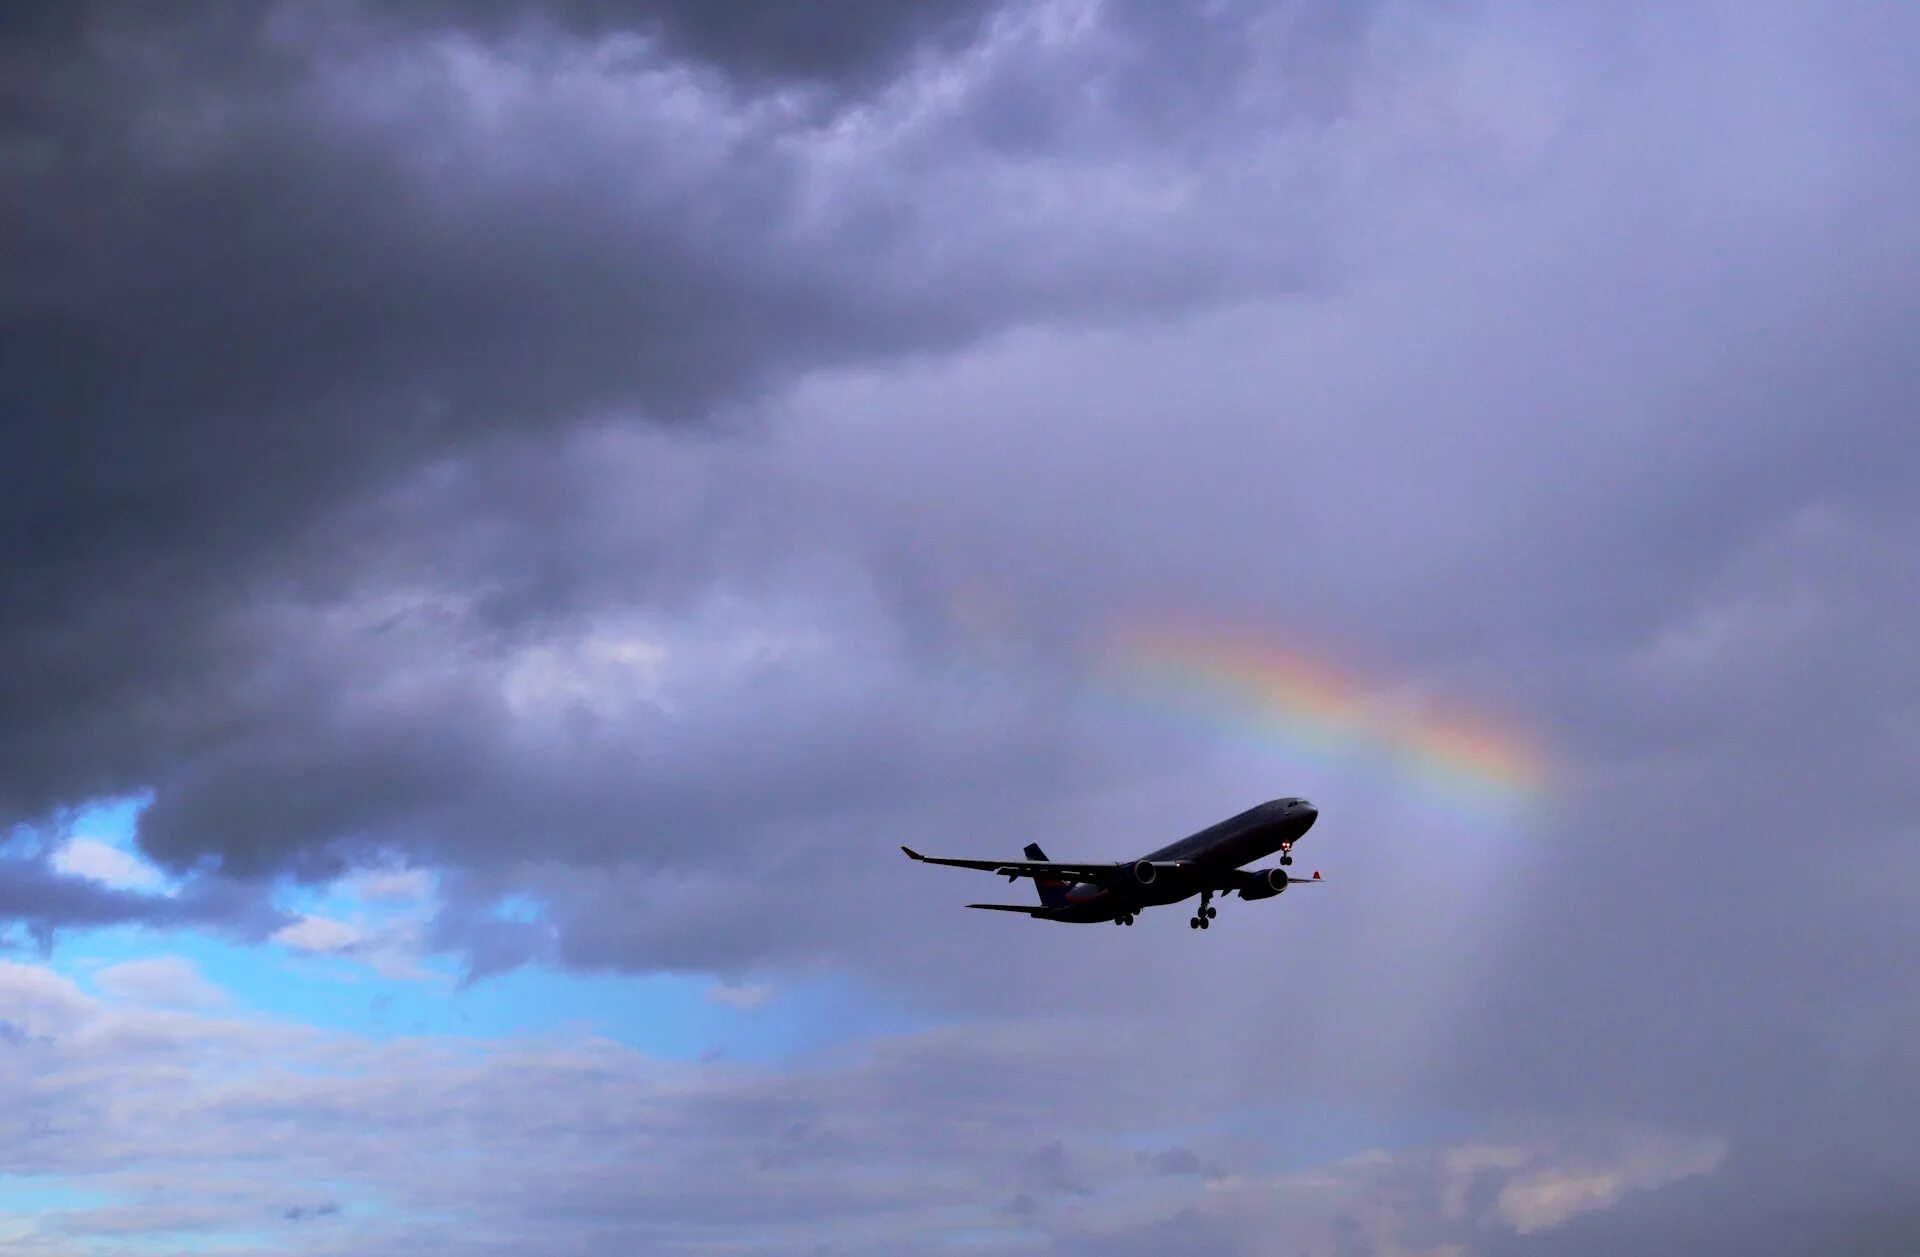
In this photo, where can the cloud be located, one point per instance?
(108, 865)
(36, 895)
(745, 997)
(161, 982)
(392, 885)
(896, 1145)
(321, 934)
(369, 270)
(842, 43)
(1179, 1161)
(1545, 1197)
(760, 44)
(301, 1213)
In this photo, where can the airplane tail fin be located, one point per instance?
(1053, 892)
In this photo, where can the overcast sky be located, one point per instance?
(514, 513)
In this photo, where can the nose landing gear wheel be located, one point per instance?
(1286, 859)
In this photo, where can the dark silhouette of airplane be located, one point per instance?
(1205, 864)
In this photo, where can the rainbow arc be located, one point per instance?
(1254, 689)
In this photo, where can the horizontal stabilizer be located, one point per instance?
(1007, 907)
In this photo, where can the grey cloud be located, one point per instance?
(1770, 1204)
(302, 1213)
(311, 263)
(760, 42)
(43, 900)
(1049, 1169)
(1185, 1231)
(1178, 1161)
(854, 45)
(812, 42)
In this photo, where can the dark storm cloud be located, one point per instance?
(853, 40)
(43, 900)
(819, 43)
(230, 303)
(263, 264)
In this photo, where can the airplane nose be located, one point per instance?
(1307, 813)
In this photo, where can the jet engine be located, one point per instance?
(1143, 872)
(1262, 883)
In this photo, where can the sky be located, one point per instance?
(514, 514)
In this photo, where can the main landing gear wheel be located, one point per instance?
(1125, 918)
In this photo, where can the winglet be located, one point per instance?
(1316, 875)
(912, 854)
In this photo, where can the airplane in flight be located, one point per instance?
(1206, 864)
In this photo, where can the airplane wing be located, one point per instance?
(1030, 910)
(1048, 870)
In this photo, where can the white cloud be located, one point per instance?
(372, 916)
(1550, 1194)
(1463, 1165)
(391, 885)
(601, 674)
(109, 865)
(160, 981)
(319, 934)
(38, 1003)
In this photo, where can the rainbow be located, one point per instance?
(1280, 696)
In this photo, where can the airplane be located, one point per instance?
(1206, 863)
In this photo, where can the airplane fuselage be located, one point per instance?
(1200, 862)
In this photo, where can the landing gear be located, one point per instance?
(1286, 853)
(1286, 859)
(1125, 918)
(1201, 919)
